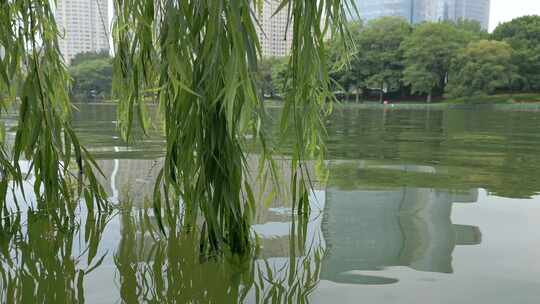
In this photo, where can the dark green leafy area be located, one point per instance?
(390, 60)
(92, 77)
(38, 83)
(523, 34)
(481, 68)
(199, 59)
(39, 260)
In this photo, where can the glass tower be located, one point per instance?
(416, 11)
(373, 9)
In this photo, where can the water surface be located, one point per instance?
(421, 206)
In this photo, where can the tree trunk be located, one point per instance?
(429, 97)
(357, 95)
(381, 94)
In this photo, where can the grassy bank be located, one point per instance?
(498, 99)
(528, 100)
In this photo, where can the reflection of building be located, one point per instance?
(85, 26)
(416, 11)
(132, 179)
(370, 230)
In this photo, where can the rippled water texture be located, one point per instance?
(420, 205)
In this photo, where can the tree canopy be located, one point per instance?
(199, 59)
(523, 35)
(380, 55)
(428, 53)
(481, 68)
(37, 80)
(92, 76)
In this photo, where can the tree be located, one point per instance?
(92, 76)
(472, 29)
(32, 68)
(428, 53)
(345, 68)
(380, 54)
(267, 76)
(523, 34)
(200, 57)
(88, 56)
(481, 68)
(280, 75)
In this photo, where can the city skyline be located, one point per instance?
(274, 42)
(417, 11)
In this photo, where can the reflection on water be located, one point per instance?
(155, 270)
(403, 208)
(358, 230)
(47, 260)
(369, 229)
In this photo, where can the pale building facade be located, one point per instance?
(274, 33)
(84, 25)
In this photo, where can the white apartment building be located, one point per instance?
(274, 35)
(84, 25)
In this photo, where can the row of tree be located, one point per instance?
(393, 59)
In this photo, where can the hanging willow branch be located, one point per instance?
(37, 80)
(200, 57)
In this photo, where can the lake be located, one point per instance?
(419, 205)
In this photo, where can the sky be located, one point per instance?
(506, 10)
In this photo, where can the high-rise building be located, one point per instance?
(85, 26)
(274, 34)
(373, 9)
(416, 11)
(470, 10)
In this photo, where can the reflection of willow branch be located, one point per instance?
(172, 270)
(37, 260)
(296, 280)
(177, 270)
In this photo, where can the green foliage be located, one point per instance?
(380, 56)
(345, 69)
(523, 30)
(40, 262)
(92, 76)
(308, 93)
(178, 274)
(428, 53)
(36, 77)
(523, 34)
(391, 57)
(471, 29)
(482, 68)
(280, 72)
(88, 56)
(267, 77)
(200, 58)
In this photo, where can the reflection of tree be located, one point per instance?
(172, 270)
(40, 262)
(49, 261)
(495, 150)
